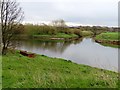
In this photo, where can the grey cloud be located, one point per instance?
(78, 12)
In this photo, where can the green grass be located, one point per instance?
(63, 35)
(59, 35)
(108, 36)
(45, 72)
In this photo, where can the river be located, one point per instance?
(83, 51)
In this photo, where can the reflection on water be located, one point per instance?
(58, 47)
(82, 51)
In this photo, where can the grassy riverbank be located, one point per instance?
(109, 36)
(64, 36)
(109, 39)
(57, 36)
(45, 72)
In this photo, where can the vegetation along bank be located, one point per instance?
(112, 38)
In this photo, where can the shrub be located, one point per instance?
(86, 33)
(69, 31)
(77, 32)
(37, 30)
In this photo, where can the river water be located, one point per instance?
(83, 51)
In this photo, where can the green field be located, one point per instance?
(108, 36)
(45, 72)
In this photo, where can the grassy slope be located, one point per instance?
(44, 72)
(59, 35)
(108, 36)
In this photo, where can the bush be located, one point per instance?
(86, 33)
(77, 32)
(39, 30)
(68, 31)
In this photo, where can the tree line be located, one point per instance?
(30, 29)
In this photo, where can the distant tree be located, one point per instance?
(11, 16)
(94, 30)
(98, 30)
(59, 23)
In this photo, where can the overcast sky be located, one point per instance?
(75, 12)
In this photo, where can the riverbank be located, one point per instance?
(108, 38)
(45, 72)
(58, 36)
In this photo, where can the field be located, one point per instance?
(111, 39)
(45, 72)
(108, 36)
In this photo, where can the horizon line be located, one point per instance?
(67, 23)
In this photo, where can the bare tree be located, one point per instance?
(11, 17)
(59, 23)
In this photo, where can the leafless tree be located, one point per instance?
(11, 17)
(59, 23)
